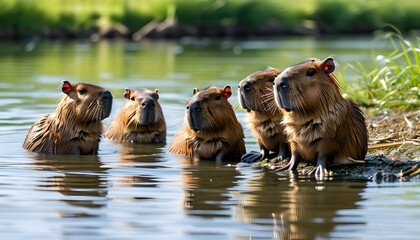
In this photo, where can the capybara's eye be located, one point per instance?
(218, 97)
(311, 72)
(272, 78)
(82, 90)
(132, 99)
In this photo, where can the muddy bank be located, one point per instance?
(167, 29)
(401, 133)
(173, 29)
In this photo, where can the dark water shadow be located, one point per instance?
(141, 153)
(206, 186)
(141, 164)
(275, 206)
(82, 180)
(298, 207)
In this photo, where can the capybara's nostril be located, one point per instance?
(106, 95)
(148, 103)
(197, 109)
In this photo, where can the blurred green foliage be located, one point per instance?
(26, 17)
(361, 15)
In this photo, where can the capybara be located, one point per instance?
(320, 124)
(264, 118)
(76, 125)
(211, 130)
(141, 119)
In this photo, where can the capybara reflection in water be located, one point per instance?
(76, 125)
(141, 119)
(211, 130)
(255, 94)
(320, 124)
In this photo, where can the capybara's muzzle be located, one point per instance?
(281, 90)
(194, 116)
(148, 111)
(244, 95)
(107, 104)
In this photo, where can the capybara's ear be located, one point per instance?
(127, 93)
(157, 93)
(269, 68)
(195, 91)
(329, 65)
(66, 87)
(227, 92)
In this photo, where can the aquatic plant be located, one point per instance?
(394, 82)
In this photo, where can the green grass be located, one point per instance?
(394, 82)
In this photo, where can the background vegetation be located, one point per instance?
(393, 83)
(173, 18)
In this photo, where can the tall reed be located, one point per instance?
(394, 82)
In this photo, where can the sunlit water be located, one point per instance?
(144, 192)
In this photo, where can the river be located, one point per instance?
(143, 191)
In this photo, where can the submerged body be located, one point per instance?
(141, 119)
(211, 130)
(320, 124)
(264, 119)
(76, 125)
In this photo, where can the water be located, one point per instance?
(144, 192)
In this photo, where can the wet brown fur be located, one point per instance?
(75, 127)
(321, 123)
(264, 118)
(221, 135)
(127, 126)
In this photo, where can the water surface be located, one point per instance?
(142, 191)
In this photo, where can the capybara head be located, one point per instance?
(304, 86)
(88, 103)
(255, 92)
(209, 110)
(143, 107)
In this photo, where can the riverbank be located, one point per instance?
(393, 155)
(395, 136)
(136, 20)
